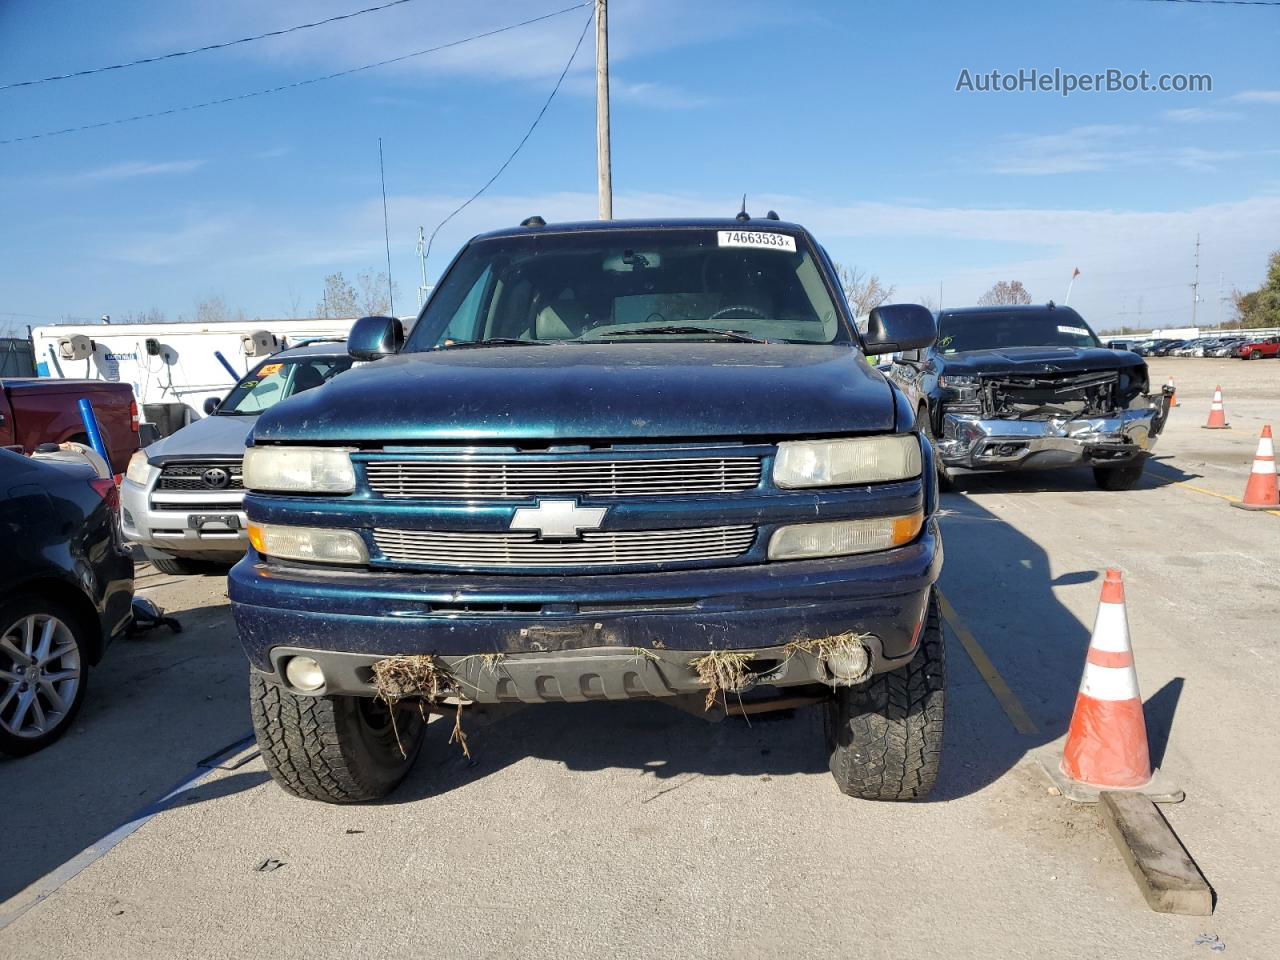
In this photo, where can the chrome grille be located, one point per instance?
(466, 479)
(596, 548)
(190, 476)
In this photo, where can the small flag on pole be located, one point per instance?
(1075, 273)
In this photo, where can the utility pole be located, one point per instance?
(1195, 287)
(423, 289)
(604, 166)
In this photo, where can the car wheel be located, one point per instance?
(335, 749)
(885, 736)
(1255, 355)
(44, 671)
(1124, 477)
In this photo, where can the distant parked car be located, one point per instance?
(1225, 348)
(1165, 348)
(66, 585)
(182, 494)
(1257, 349)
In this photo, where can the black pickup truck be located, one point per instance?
(1014, 387)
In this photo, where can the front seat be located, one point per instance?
(305, 378)
(560, 320)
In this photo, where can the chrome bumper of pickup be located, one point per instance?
(972, 443)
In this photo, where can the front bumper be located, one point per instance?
(555, 634)
(170, 529)
(968, 441)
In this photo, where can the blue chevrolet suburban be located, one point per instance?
(613, 460)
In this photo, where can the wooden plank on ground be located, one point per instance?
(1167, 876)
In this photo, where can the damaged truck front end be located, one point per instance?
(1010, 420)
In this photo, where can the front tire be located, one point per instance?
(176, 566)
(885, 736)
(1123, 477)
(44, 672)
(335, 749)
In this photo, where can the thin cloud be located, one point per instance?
(1256, 96)
(1200, 115)
(134, 169)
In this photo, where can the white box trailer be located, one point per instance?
(172, 367)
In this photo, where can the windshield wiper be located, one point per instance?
(492, 342)
(678, 330)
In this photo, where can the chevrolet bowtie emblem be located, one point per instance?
(558, 519)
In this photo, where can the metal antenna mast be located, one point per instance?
(423, 288)
(386, 231)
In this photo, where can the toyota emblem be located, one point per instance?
(216, 477)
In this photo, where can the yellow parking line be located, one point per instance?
(1221, 496)
(1009, 703)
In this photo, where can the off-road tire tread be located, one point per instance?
(886, 736)
(301, 742)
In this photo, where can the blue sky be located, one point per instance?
(843, 116)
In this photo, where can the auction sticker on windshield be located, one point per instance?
(756, 238)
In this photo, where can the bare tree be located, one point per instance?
(375, 294)
(340, 301)
(864, 291)
(928, 303)
(1005, 292)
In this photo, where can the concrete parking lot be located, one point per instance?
(636, 830)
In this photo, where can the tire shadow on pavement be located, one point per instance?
(645, 736)
(1001, 584)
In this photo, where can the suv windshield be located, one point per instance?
(994, 329)
(276, 380)
(626, 286)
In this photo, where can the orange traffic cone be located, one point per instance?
(1106, 746)
(1217, 415)
(1261, 493)
(1107, 741)
(1173, 392)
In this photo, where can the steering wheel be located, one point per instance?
(760, 314)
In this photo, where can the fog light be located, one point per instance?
(849, 664)
(303, 673)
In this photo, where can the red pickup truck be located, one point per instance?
(36, 411)
(1257, 349)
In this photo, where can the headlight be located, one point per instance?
(299, 469)
(806, 541)
(957, 380)
(139, 469)
(836, 463)
(315, 544)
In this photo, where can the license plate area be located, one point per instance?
(214, 522)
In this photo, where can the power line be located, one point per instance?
(296, 84)
(204, 49)
(523, 140)
(1226, 3)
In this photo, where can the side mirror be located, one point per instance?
(374, 337)
(211, 405)
(899, 328)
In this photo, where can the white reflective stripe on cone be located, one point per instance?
(1110, 630)
(1263, 466)
(1265, 448)
(1109, 683)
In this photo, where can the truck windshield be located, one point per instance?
(277, 380)
(627, 286)
(992, 330)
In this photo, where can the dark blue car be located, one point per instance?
(66, 585)
(614, 460)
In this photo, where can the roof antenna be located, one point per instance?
(743, 216)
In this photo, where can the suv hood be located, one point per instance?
(1040, 360)
(216, 436)
(562, 392)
